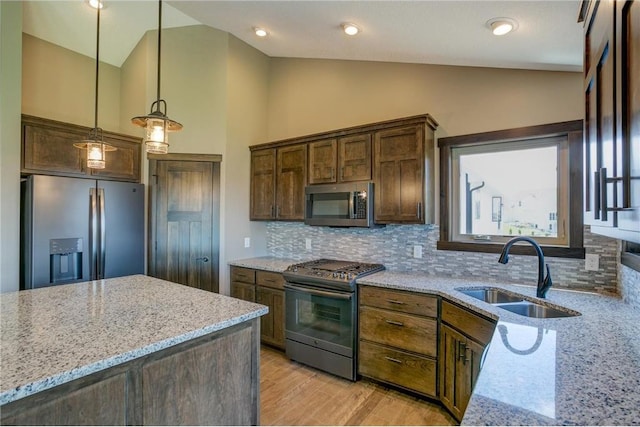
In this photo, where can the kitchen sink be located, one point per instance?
(530, 309)
(491, 295)
(516, 303)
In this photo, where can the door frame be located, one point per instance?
(215, 160)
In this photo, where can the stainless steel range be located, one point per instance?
(322, 313)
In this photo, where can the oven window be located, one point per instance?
(320, 317)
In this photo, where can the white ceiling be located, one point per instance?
(428, 31)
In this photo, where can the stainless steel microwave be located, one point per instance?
(340, 205)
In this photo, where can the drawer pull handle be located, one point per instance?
(393, 322)
(393, 301)
(391, 359)
(269, 280)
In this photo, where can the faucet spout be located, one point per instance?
(544, 281)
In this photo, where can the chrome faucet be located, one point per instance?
(544, 282)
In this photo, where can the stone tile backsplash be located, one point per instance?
(393, 246)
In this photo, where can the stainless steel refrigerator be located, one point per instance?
(76, 229)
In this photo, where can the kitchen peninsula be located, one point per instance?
(129, 350)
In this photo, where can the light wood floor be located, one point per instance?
(294, 394)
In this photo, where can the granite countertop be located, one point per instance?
(57, 334)
(582, 370)
(268, 263)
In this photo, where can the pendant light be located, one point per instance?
(94, 144)
(156, 123)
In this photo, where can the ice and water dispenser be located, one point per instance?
(65, 259)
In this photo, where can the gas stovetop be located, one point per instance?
(330, 273)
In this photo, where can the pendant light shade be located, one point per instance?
(94, 144)
(157, 125)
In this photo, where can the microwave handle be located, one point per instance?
(352, 204)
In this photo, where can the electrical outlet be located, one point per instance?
(417, 251)
(307, 244)
(247, 242)
(592, 262)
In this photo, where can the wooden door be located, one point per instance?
(449, 344)
(184, 241)
(263, 184)
(291, 178)
(323, 159)
(600, 135)
(354, 157)
(399, 172)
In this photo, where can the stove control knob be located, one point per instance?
(349, 276)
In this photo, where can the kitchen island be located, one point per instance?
(580, 370)
(130, 350)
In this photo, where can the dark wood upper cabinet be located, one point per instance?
(612, 112)
(401, 167)
(47, 148)
(278, 177)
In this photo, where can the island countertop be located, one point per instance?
(582, 370)
(54, 335)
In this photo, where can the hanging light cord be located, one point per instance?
(97, 71)
(159, 43)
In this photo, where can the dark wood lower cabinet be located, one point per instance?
(212, 380)
(272, 323)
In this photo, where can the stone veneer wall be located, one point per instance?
(630, 286)
(393, 246)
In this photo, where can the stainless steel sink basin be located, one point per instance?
(530, 309)
(516, 303)
(491, 295)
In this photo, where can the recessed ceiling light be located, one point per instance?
(502, 26)
(260, 32)
(350, 29)
(96, 4)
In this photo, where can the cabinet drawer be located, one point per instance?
(269, 279)
(407, 302)
(470, 324)
(241, 274)
(397, 367)
(400, 330)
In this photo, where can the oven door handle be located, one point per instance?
(318, 292)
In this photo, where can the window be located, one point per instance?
(515, 182)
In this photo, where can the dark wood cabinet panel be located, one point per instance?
(209, 384)
(354, 157)
(243, 291)
(323, 160)
(272, 323)
(100, 403)
(612, 127)
(47, 148)
(291, 178)
(399, 175)
(263, 184)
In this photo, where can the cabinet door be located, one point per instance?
(399, 175)
(599, 154)
(272, 323)
(323, 159)
(49, 149)
(263, 184)
(354, 157)
(291, 178)
(123, 163)
(460, 359)
(243, 291)
(628, 57)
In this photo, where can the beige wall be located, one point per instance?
(308, 96)
(59, 84)
(10, 70)
(247, 83)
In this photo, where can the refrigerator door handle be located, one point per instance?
(103, 235)
(93, 234)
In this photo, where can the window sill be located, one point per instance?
(496, 248)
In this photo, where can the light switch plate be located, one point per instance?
(307, 244)
(247, 242)
(592, 262)
(417, 251)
